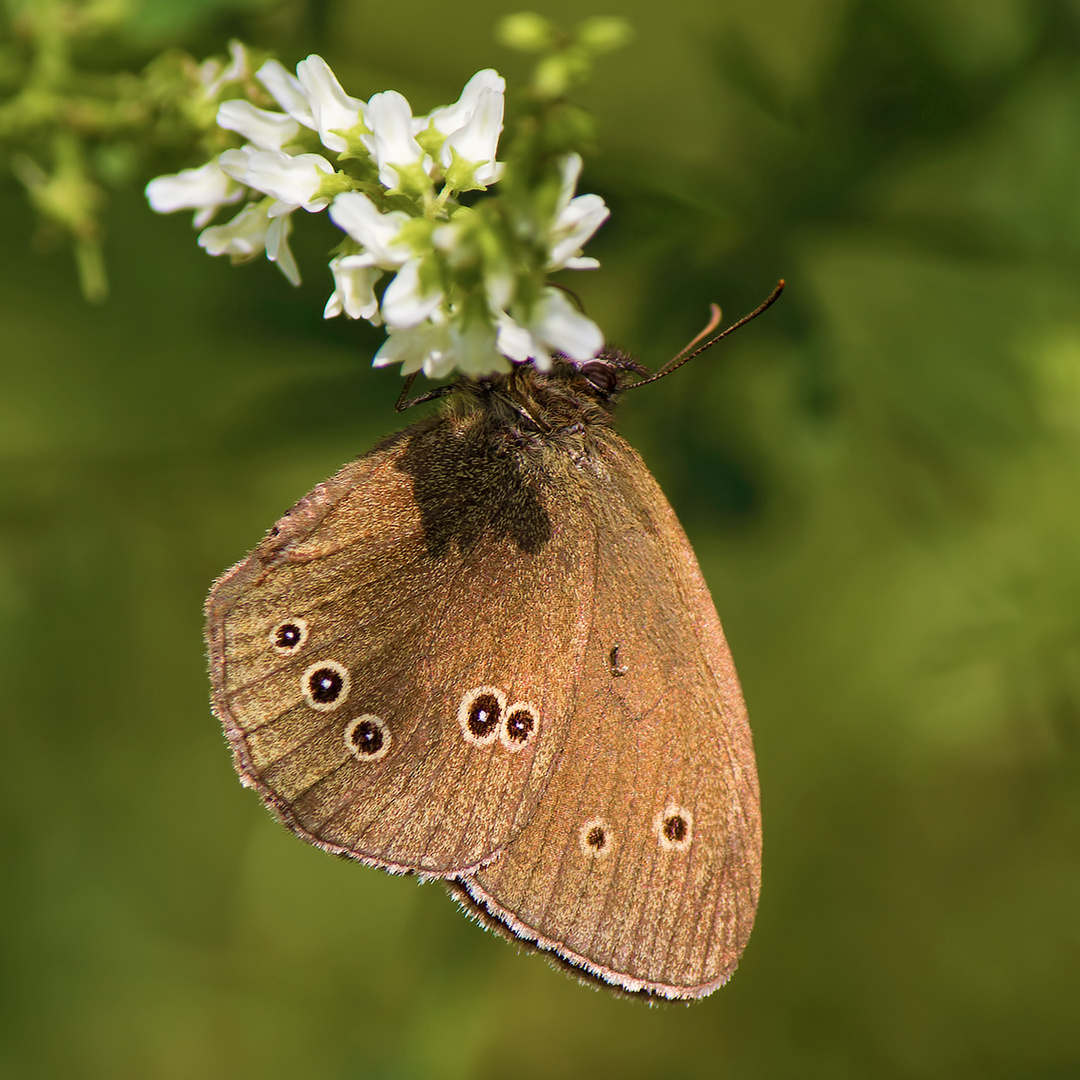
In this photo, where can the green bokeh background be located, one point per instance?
(880, 478)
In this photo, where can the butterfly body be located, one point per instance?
(484, 652)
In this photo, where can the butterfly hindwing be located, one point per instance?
(374, 660)
(641, 865)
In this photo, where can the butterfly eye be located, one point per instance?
(290, 635)
(368, 738)
(674, 828)
(521, 722)
(602, 375)
(479, 714)
(325, 685)
(594, 837)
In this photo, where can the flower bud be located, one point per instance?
(527, 32)
(603, 33)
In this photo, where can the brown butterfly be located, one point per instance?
(484, 652)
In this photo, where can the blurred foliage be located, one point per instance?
(879, 477)
(77, 119)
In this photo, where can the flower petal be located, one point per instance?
(573, 227)
(427, 347)
(354, 288)
(513, 340)
(293, 180)
(560, 325)
(286, 90)
(234, 163)
(242, 237)
(405, 304)
(450, 118)
(580, 263)
(477, 140)
(571, 173)
(267, 130)
(214, 75)
(475, 352)
(377, 232)
(331, 108)
(280, 208)
(203, 189)
(391, 141)
(278, 250)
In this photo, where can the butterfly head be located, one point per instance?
(570, 393)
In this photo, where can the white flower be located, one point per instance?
(555, 326)
(214, 75)
(576, 219)
(293, 181)
(267, 130)
(559, 324)
(204, 190)
(242, 237)
(378, 233)
(450, 118)
(406, 302)
(391, 141)
(477, 143)
(331, 108)
(354, 289)
(467, 289)
(286, 90)
(278, 250)
(252, 231)
(513, 340)
(446, 342)
(427, 347)
(472, 127)
(475, 351)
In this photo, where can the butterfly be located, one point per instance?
(484, 652)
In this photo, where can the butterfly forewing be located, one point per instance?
(374, 659)
(641, 865)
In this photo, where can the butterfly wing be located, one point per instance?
(374, 660)
(641, 866)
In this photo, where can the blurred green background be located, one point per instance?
(880, 478)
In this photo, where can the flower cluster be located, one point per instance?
(458, 287)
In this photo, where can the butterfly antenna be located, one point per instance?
(569, 292)
(401, 405)
(688, 352)
(714, 321)
(404, 402)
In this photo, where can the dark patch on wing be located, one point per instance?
(469, 483)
